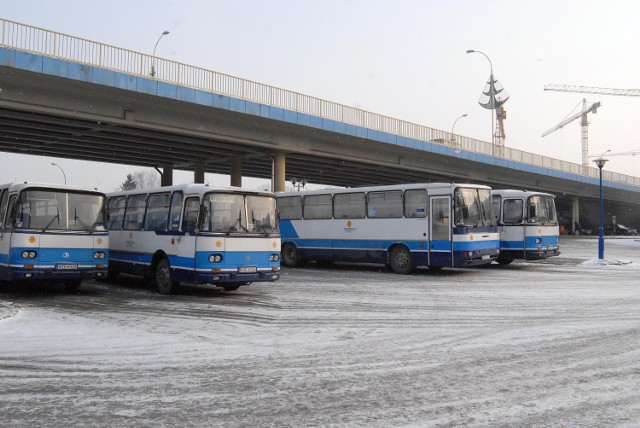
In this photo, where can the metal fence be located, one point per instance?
(37, 40)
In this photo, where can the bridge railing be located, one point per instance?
(58, 45)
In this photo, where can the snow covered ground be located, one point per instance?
(530, 344)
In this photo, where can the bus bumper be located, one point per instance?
(477, 257)
(224, 277)
(541, 253)
(530, 254)
(21, 274)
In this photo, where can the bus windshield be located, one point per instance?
(541, 209)
(60, 210)
(262, 214)
(225, 212)
(472, 207)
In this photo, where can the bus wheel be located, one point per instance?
(400, 260)
(72, 285)
(504, 261)
(162, 277)
(290, 257)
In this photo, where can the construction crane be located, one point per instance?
(584, 130)
(590, 90)
(629, 153)
(593, 90)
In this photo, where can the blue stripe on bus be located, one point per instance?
(54, 255)
(530, 243)
(384, 245)
(230, 259)
(287, 229)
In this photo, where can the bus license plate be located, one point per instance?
(248, 269)
(67, 266)
(486, 257)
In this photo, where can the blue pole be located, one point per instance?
(601, 236)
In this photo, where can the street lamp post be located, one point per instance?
(153, 69)
(493, 112)
(600, 163)
(453, 137)
(63, 174)
(298, 183)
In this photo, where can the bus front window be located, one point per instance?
(50, 209)
(472, 207)
(542, 210)
(224, 212)
(262, 214)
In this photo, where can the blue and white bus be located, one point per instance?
(403, 226)
(527, 223)
(52, 233)
(194, 234)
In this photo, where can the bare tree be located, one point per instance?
(146, 179)
(142, 179)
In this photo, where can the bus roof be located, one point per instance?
(516, 193)
(190, 189)
(411, 186)
(17, 187)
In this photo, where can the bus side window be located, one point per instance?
(175, 211)
(512, 211)
(3, 206)
(11, 212)
(134, 212)
(115, 212)
(497, 202)
(190, 217)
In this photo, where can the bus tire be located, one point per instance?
(504, 262)
(72, 285)
(290, 256)
(162, 277)
(400, 260)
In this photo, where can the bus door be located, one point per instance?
(186, 254)
(440, 241)
(513, 236)
(6, 231)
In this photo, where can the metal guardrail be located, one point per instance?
(58, 45)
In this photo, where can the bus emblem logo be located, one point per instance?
(218, 244)
(99, 241)
(65, 255)
(349, 223)
(275, 244)
(32, 239)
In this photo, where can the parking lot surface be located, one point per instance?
(529, 344)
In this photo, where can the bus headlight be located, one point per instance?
(215, 258)
(29, 254)
(99, 255)
(274, 257)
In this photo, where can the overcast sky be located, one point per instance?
(405, 59)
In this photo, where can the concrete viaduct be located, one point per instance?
(72, 98)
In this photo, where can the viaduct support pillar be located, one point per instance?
(278, 180)
(575, 213)
(198, 172)
(236, 171)
(166, 179)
